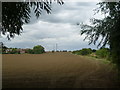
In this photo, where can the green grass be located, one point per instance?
(102, 60)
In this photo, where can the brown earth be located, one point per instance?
(56, 70)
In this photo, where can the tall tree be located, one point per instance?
(15, 14)
(107, 28)
(38, 49)
(2, 48)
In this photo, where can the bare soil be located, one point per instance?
(56, 70)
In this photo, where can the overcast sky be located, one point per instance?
(57, 28)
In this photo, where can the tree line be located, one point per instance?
(35, 50)
(100, 53)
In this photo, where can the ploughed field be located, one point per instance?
(56, 70)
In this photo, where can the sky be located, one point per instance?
(59, 28)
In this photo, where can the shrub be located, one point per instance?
(84, 51)
(103, 53)
(53, 51)
(76, 52)
(93, 50)
(14, 51)
(64, 50)
(30, 51)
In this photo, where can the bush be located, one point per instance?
(76, 52)
(84, 51)
(30, 51)
(53, 51)
(103, 53)
(14, 51)
(64, 50)
(93, 50)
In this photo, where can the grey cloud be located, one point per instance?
(71, 12)
(58, 27)
(86, 4)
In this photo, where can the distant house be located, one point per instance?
(22, 51)
(8, 50)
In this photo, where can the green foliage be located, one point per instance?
(38, 49)
(30, 51)
(15, 14)
(53, 51)
(64, 50)
(93, 50)
(84, 51)
(14, 51)
(3, 48)
(108, 28)
(76, 52)
(103, 53)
